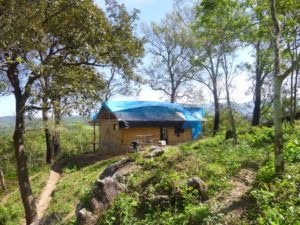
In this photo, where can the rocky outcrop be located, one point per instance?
(113, 168)
(155, 153)
(200, 186)
(104, 191)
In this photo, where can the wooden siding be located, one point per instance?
(114, 141)
(107, 135)
(128, 135)
(173, 139)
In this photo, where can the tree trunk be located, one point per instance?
(2, 180)
(295, 95)
(23, 178)
(231, 117)
(47, 130)
(277, 115)
(56, 136)
(257, 106)
(217, 113)
(173, 93)
(258, 85)
(291, 101)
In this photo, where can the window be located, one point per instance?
(115, 127)
(179, 130)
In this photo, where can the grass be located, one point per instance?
(213, 160)
(74, 185)
(276, 201)
(13, 210)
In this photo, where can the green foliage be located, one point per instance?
(13, 205)
(258, 136)
(292, 151)
(278, 199)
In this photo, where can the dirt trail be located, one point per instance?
(235, 203)
(46, 195)
(55, 175)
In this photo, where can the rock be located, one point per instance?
(198, 184)
(122, 174)
(162, 201)
(97, 206)
(155, 153)
(153, 148)
(229, 134)
(155, 201)
(113, 168)
(106, 190)
(85, 217)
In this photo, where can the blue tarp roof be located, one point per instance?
(148, 113)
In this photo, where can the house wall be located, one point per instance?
(173, 139)
(118, 141)
(128, 135)
(109, 139)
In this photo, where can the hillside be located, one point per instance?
(241, 188)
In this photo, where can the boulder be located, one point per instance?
(85, 217)
(113, 168)
(155, 153)
(156, 201)
(198, 184)
(106, 190)
(161, 201)
(153, 148)
(229, 134)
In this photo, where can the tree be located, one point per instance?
(279, 76)
(71, 33)
(256, 36)
(71, 86)
(169, 45)
(216, 27)
(117, 83)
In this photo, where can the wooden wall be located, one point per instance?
(115, 141)
(128, 135)
(109, 139)
(173, 139)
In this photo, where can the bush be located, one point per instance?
(292, 151)
(258, 136)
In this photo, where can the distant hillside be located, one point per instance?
(244, 108)
(7, 123)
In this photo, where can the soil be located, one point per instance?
(234, 204)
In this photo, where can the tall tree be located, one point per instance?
(216, 28)
(169, 45)
(70, 33)
(279, 75)
(69, 85)
(256, 37)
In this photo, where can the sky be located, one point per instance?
(150, 10)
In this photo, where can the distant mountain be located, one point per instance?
(244, 108)
(7, 123)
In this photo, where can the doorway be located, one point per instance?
(164, 134)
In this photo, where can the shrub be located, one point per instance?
(292, 151)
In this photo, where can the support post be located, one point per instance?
(94, 139)
(2, 180)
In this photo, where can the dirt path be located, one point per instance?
(235, 203)
(55, 175)
(46, 195)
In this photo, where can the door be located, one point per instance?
(164, 134)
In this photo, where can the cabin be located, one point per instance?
(150, 123)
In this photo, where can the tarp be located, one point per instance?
(155, 114)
